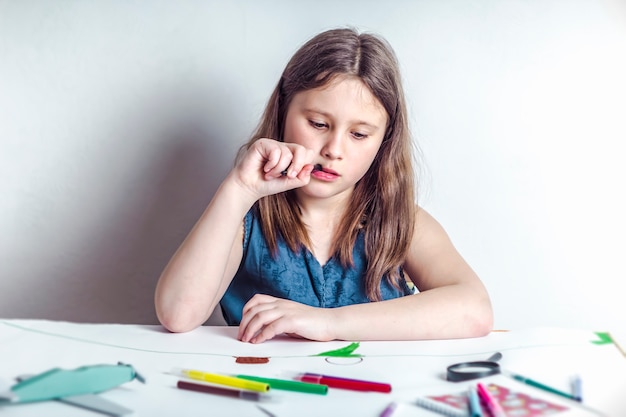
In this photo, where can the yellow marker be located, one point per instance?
(226, 380)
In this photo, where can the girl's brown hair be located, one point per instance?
(383, 201)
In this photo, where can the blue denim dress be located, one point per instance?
(297, 276)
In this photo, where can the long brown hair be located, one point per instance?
(383, 201)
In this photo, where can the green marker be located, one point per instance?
(544, 387)
(288, 385)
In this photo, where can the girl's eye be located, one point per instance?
(358, 135)
(317, 125)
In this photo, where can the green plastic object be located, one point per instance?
(58, 383)
(345, 352)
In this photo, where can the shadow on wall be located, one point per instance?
(127, 258)
(182, 166)
(130, 255)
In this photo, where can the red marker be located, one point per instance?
(344, 383)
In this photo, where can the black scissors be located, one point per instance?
(464, 371)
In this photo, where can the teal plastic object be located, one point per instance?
(59, 383)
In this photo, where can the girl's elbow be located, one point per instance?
(174, 326)
(176, 321)
(484, 326)
(482, 321)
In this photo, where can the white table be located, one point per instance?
(546, 354)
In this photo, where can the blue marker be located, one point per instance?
(474, 402)
(577, 389)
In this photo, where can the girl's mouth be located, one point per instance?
(324, 174)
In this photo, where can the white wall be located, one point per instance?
(118, 120)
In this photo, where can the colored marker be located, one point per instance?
(288, 385)
(577, 388)
(539, 385)
(388, 411)
(494, 407)
(224, 392)
(474, 402)
(226, 380)
(316, 167)
(344, 383)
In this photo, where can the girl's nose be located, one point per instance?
(333, 148)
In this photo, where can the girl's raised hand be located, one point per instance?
(270, 167)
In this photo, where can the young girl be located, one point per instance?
(315, 232)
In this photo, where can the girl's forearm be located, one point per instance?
(449, 312)
(199, 272)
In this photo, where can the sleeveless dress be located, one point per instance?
(297, 276)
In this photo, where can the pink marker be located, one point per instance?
(494, 407)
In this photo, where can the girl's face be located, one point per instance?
(344, 124)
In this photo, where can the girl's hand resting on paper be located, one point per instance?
(265, 317)
(260, 170)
